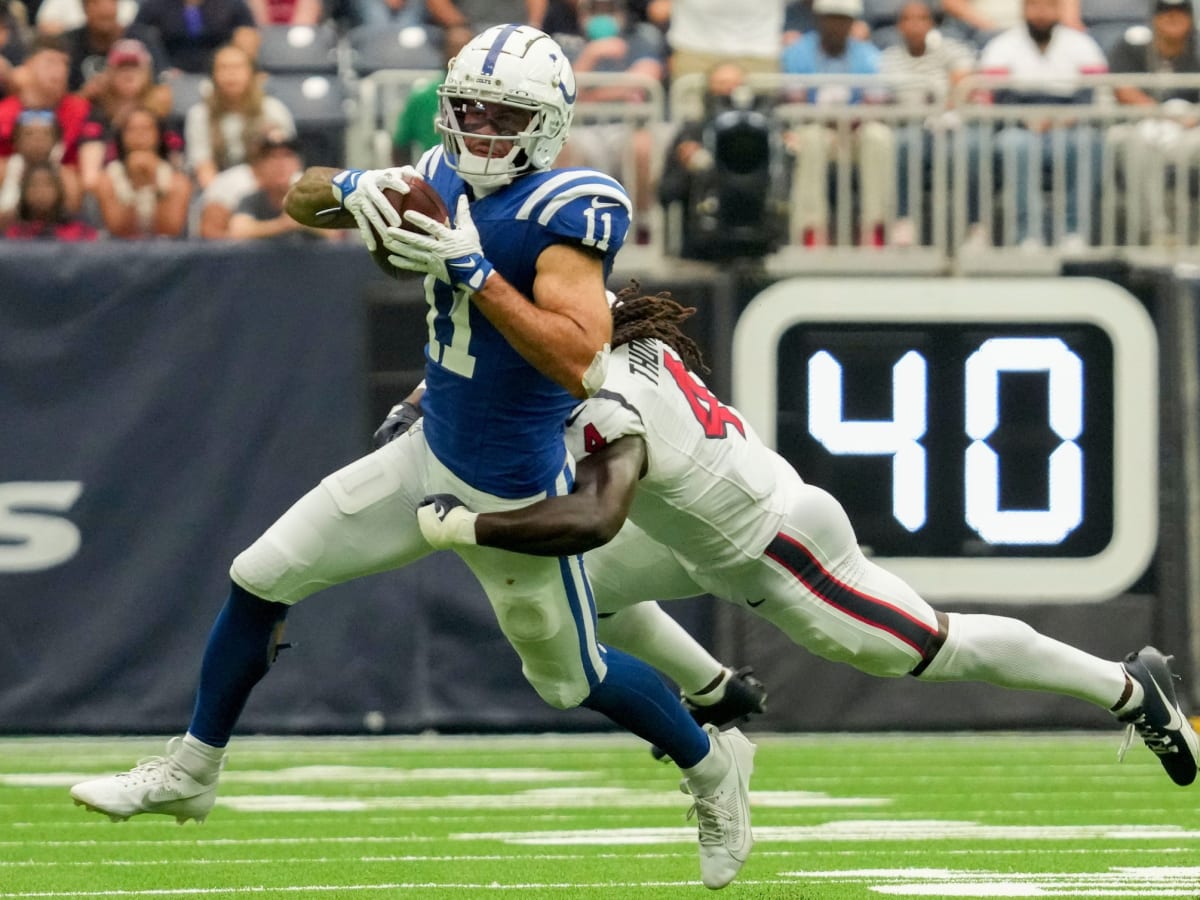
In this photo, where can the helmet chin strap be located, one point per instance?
(473, 170)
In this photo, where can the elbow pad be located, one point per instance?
(597, 371)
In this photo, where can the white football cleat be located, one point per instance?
(723, 815)
(157, 784)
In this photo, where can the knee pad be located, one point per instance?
(267, 572)
(535, 631)
(526, 620)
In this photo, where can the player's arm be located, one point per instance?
(563, 333)
(325, 197)
(591, 515)
(310, 201)
(568, 324)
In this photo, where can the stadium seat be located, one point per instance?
(187, 89)
(376, 47)
(1109, 34)
(1094, 12)
(299, 48)
(877, 13)
(319, 105)
(885, 36)
(1108, 20)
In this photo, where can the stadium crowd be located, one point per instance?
(189, 118)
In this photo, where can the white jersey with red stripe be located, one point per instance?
(711, 489)
(719, 512)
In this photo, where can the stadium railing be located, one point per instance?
(982, 197)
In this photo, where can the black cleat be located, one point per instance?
(1159, 719)
(744, 696)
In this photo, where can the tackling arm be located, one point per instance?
(582, 520)
(589, 516)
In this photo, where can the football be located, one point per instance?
(421, 198)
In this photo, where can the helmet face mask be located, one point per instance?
(506, 105)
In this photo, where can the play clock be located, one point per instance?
(989, 438)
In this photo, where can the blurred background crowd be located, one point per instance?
(810, 124)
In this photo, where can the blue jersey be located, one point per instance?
(491, 417)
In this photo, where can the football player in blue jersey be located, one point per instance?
(518, 333)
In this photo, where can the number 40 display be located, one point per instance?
(995, 327)
(901, 436)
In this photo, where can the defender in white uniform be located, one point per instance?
(716, 511)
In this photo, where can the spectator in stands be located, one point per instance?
(42, 209)
(415, 131)
(127, 83)
(140, 193)
(287, 12)
(61, 16)
(705, 33)
(940, 63)
(43, 85)
(1149, 149)
(562, 20)
(221, 198)
(479, 14)
(12, 45)
(616, 45)
(831, 51)
(89, 45)
(981, 20)
(400, 13)
(1043, 52)
(35, 141)
(193, 30)
(473, 14)
(216, 129)
(799, 19)
(275, 160)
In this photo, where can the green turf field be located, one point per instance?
(845, 816)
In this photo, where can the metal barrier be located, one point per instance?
(988, 187)
(911, 179)
(1074, 180)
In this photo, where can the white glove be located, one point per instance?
(360, 193)
(450, 254)
(446, 522)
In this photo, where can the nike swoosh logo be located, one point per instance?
(598, 204)
(754, 605)
(1176, 721)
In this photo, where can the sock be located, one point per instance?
(705, 775)
(711, 693)
(1009, 653)
(1134, 701)
(634, 696)
(240, 650)
(198, 759)
(646, 631)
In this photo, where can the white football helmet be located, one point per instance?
(515, 67)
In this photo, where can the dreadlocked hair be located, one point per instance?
(646, 317)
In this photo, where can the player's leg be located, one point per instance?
(627, 574)
(357, 521)
(546, 609)
(1139, 691)
(830, 598)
